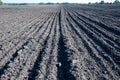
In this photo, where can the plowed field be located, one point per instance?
(72, 42)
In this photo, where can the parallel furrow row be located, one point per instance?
(14, 56)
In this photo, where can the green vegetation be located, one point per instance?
(116, 2)
(1, 2)
(102, 2)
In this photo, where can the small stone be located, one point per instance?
(20, 51)
(75, 61)
(58, 64)
(104, 72)
(25, 47)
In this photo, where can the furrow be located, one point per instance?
(108, 28)
(36, 67)
(51, 69)
(65, 52)
(18, 51)
(29, 64)
(102, 55)
(106, 48)
(107, 35)
(91, 52)
(19, 43)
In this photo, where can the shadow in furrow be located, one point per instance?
(51, 52)
(37, 32)
(99, 31)
(42, 24)
(90, 51)
(44, 30)
(110, 29)
(24, 36)
(63, 70)
(103, 46)
(6, 66)
(34, 72)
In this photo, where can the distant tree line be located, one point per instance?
(16, 4)
(49, 3)
(116, 2)
(103, 2)
(1, 2)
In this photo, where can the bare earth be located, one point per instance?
(72, 42)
